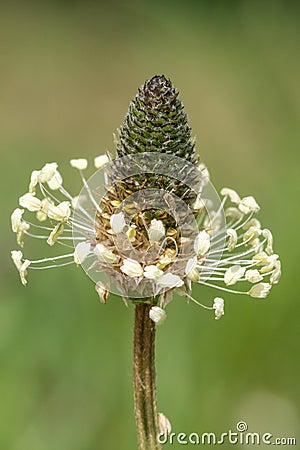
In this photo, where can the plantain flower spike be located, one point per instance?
(154, 224)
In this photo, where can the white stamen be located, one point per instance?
(47, 172)
(248, 204)
(57, 231)
(233, 238)
(81, 252)
(80, 163)
(132, 268)
(233, 195)
(100, 161)
(152, 272)
(191, 270)
(55, 182)
(275, 277)
(16, 219)
(169, 280)
(131, 233)
(267, 234)
(218, 306)
(17, 256)
(117, 222)
(260, 290)
(157, 315)
(253, 276)
(105, 254)
(61, 212)
(233, 274)
(202, 243)
(34, 180)
(156, 230)
(30, 202)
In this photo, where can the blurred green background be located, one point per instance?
(68, 72)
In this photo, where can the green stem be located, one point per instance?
(144, 379)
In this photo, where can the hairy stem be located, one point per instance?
(144, 379)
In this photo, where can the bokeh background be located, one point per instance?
(68, 72)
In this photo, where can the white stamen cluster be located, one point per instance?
(248, 255)
(53, 209)
(248, 258)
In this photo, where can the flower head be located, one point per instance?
(149, 222)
